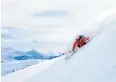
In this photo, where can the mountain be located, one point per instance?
(34, 54)
(10, 59)
(11, 54)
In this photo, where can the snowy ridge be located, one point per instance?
(95, 62)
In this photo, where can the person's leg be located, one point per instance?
(73, 52)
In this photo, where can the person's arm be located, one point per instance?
(86, 39)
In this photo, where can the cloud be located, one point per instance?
(14, 33)
(6, 36)
(51, 14)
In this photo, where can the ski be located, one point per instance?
(70, 54)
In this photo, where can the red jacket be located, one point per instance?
(80, 43)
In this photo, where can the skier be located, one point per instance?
(80, 41)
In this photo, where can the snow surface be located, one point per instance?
(95, 62)
(28, 71)
(15, 65)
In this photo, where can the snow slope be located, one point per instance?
(15, 77)
(13, 66)
(95, 62)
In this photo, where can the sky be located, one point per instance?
(47, 24)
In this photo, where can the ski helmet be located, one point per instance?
(81, 36)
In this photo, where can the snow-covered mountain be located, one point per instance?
(11, 54)
(12, 57)
(33, 54)
(95, 62)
